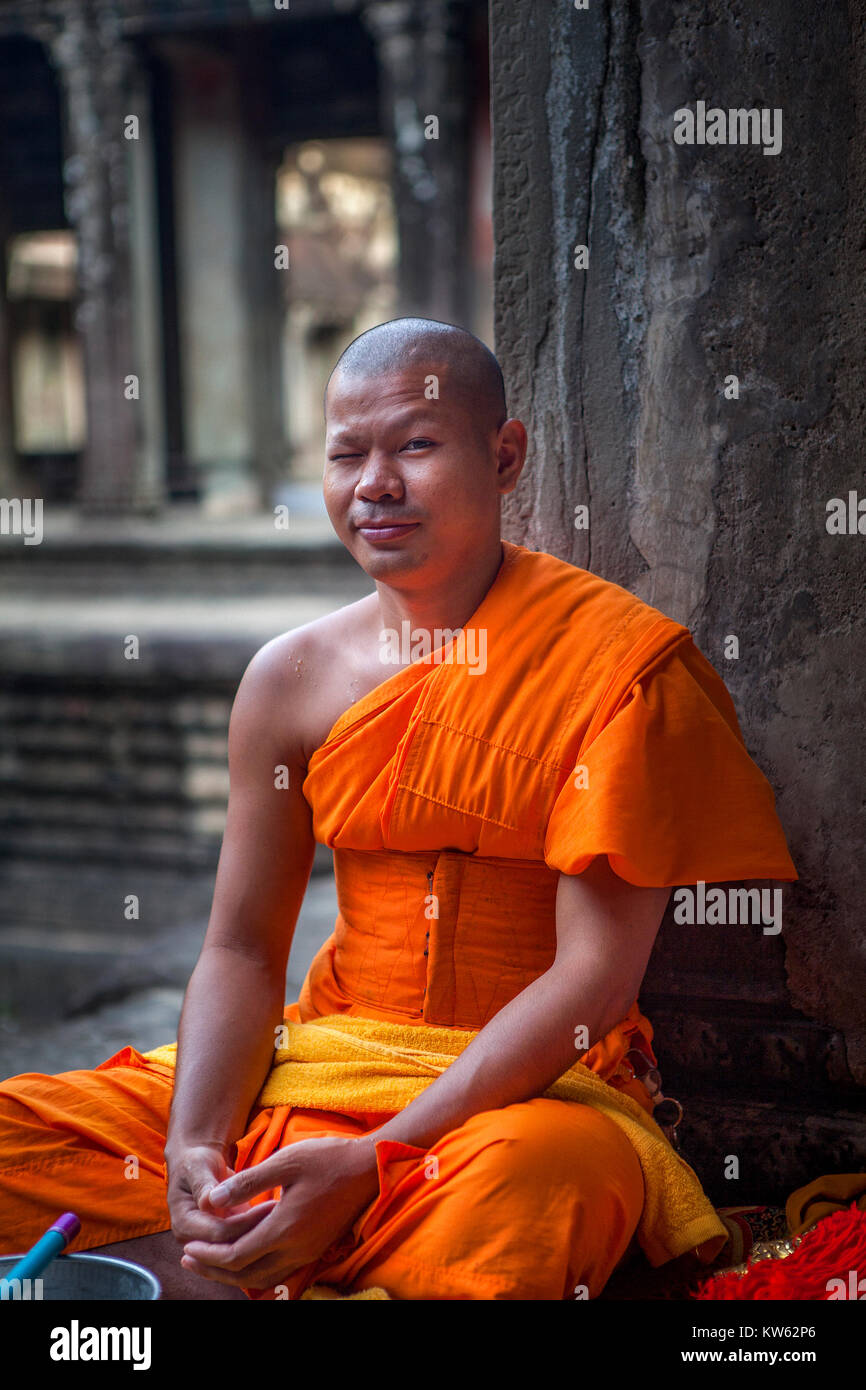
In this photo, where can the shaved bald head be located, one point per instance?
(419, 451)
(468, 368)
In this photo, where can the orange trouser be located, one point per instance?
(527, 1202)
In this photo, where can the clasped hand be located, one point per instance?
(326, 1183)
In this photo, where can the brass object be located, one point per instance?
(763, 1250)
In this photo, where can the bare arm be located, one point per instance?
(234, 1000)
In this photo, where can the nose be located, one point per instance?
(379, 477)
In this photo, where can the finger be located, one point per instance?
(197, 1225)
(262, 1177)
(246, 1250)
(203, 1192)
(200, 1176)
(207, 1203)
(214, 1273)
(265, 1274)
(268, 1273)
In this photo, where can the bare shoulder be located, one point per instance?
(300, 682)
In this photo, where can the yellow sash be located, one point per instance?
(350, 1065)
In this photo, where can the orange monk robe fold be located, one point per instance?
(452, 796)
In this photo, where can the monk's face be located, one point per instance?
(412, 485)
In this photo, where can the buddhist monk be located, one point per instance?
(514, 762)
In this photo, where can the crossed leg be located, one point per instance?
(532, 1201)
(92, 1142)
(538, 1200)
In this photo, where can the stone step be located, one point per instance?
(108, 760)
(47, 890)
(178, 847)
(219, 574)
(186, 639)
(179, 553)
(73, 962)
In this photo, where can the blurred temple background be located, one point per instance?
(216, 197)
(201, 203)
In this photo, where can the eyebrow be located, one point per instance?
(399, 422)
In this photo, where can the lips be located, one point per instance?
(386, 531)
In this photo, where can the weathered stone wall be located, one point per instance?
(707, 261)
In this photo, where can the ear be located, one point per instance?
(510, 448)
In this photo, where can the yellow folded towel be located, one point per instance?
(352, 1065)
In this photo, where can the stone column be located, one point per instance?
(146, 294)
(97, 75)
(8, 479)
(265, 307)
(212, 266)
(422, 56)
(698, 386)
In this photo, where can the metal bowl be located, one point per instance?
(93, 1277)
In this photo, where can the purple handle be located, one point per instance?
(68, 1225)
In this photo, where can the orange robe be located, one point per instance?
(452, 796)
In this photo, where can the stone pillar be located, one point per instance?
(97, 75)
(265, 306)
(8, 481)
(698, 386)
(212, 267)
(422, 57)
(146, 294)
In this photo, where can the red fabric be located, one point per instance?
(828, 1264)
